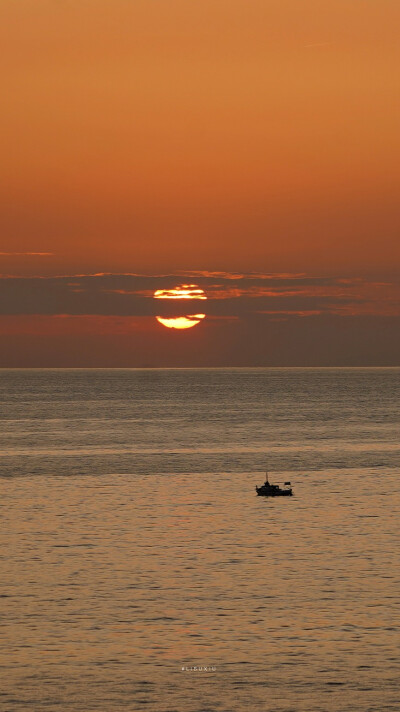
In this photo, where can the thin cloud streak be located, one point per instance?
(26, 254)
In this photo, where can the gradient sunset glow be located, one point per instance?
(222, 143)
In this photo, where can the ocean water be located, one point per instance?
(139, 570)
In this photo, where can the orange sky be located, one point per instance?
(153, 137)
(212, 134)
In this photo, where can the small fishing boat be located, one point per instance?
(268, 490)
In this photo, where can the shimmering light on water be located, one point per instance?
(133, 543)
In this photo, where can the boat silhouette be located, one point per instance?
(269, 490)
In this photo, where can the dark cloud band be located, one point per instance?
(229, 295)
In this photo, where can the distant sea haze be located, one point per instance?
(140, 568)
(155, 421)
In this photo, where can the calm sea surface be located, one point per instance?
(134, 548)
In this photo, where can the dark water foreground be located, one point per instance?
(133, 544)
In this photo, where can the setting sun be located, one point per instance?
(184, 291)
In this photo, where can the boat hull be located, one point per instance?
(263, 492)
